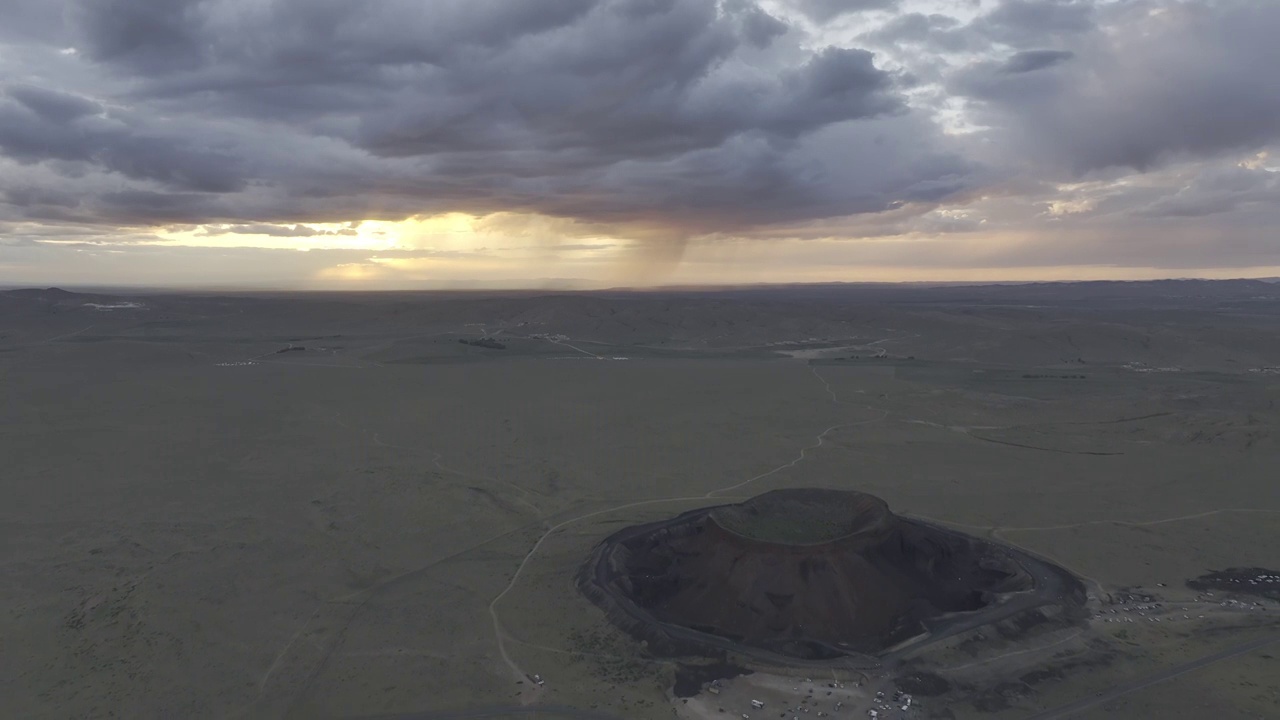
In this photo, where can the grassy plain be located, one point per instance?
(197, 521)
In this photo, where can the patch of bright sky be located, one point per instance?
(450, 234)
(1058, 208)
(845, 31)
(1261, 161)
(372, 235)
(480, 269)
(446, 232)
(860, 22)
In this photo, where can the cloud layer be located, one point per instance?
(1041, 121)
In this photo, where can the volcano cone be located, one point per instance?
(808, 574)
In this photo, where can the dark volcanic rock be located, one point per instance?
(805, 574)
(794, 571)
(690, 679)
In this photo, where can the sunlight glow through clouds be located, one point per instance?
(1259, 162)
(449, 232)
(374, 235)
(916, 139)
(1058, 208)
(453, 231)
(449, 245)
(348, 273)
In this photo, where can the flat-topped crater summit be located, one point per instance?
(805, 517)
(808, 574)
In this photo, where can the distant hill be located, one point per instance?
(55, 298)
(51, 294)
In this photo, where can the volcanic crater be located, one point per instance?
(810, 575)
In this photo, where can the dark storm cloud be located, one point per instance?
(28, 22)
(146, 35)
(1032, 60)
(1016, 81)
(759, 27)
(1220, 190)
(1022, 22)
(612, 102)
(1008, 82)
(52, 105)
(303, 42)
(144, 206)
(38, 124)
(30, 197)
(1163, 81)
(687, 113)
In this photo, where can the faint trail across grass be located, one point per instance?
(531, 691)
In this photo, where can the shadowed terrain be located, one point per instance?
(325, 506)
(813, 574)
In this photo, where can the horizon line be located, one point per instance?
(552, 288)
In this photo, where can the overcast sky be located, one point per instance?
(490, 143)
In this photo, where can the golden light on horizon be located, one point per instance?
(349, 273)
(447, 231)
(372, 236)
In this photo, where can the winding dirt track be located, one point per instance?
(528, 708)
(531, 693)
